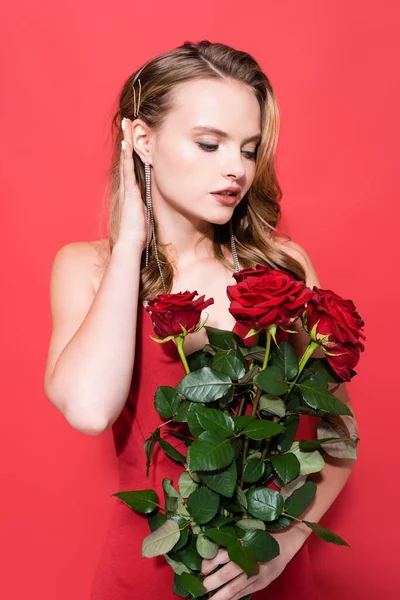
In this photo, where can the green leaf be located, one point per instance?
(273, 405)
(288, 489)
(314, 376)
(156, 520)
(287, 466)
(182, 510)
(306, 445)
(181, 415)
(279, 524)
(204, 385)
(194, 584)
(172, 452)
(326, 535)
(250, 524)
(242, 421)
(171, 505)
(171, 497)
(244, 557)
(249, 376)
(253, 470)
(169, 490)
(285, 440)
(192, 420)
(180, 436)
(260, 429)
(222, 338)
(320, 399)
(198, 359)
(220, 520)
(286, 359)
(321, 365)
(209, 452)
(215, 420)
(184, 532)
(141, 501)
(231, 363)
(264, 503)
(149, 446)
(241, 497)
(301, 498)
(177, 567)
(272, 381)
(203, 505)
(205, 547)
(186, 484)
(224, 536)
(189, 555)
(345, 431)
(166, 401)
(178, 587)
(162, 540)
(254, 352)
(263, 545)
(310, 462)
(222, 481)
(237, 445)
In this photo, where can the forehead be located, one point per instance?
(222, 103)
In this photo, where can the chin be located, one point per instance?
(220, 217)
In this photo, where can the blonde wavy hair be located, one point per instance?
(255, 218)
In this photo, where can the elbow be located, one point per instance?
(78, 415)
(83, 419)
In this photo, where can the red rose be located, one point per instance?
(170, 311)
(264, 296)
(337, 319)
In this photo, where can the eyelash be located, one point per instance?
(213, 147)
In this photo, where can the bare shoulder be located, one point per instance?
(301, 255)
(87, 260)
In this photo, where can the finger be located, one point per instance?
(127, 163)
(222, 576)
(121, 173)
(128, 170)
(208, 564)
(236, 589)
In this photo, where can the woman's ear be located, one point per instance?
(142, 138)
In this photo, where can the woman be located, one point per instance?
(193, 121)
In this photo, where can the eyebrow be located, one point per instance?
(223, 134)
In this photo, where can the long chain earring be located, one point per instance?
(151, 229)
(233, 247)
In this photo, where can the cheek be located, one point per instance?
(176, 170)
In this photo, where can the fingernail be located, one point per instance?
(123, 124)
(123, 144)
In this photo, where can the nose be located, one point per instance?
(234, 167)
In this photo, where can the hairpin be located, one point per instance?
(136, 107)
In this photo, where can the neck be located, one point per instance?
(189, 240)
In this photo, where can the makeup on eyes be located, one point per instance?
(212, 147)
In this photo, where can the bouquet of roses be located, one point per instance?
(244, 475)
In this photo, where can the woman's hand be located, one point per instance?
(234, 581)
(132, 210)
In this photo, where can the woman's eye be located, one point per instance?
(213, 147)
(207, 147)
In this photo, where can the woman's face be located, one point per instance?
(190, 163)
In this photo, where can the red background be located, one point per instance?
(334, 67)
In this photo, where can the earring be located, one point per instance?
(233, 247)
(151, 228)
